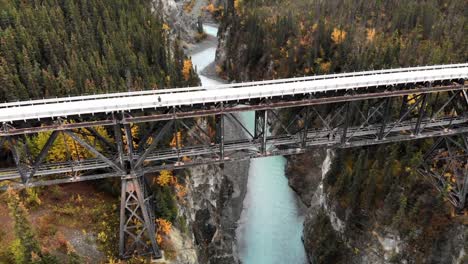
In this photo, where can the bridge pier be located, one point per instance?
(261, 129)
(137, 220)
(445, 165)
(137, 235)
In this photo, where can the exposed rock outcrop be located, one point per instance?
(182, 23)
(328, 235)
(214, 204)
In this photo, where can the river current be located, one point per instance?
(270, 228)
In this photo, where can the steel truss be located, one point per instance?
(137, 226)
(376, 115)
(445, 165)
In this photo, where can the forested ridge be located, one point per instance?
(60, 48)
(52, 48)
(275, 39)
(372, 189)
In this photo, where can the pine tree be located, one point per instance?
(50, 48)
(25, 245)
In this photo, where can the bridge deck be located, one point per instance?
(120, 102)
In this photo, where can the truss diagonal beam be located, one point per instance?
(40, 158)
(366, 119)
(2, 141)
(445, 165)
(385, 117)
(403, 115)
(154, 143)
(130, 146)
(17, 159)
(236, 120)
(101, 138)
(145, 137)
(94, 151)
(275, 115)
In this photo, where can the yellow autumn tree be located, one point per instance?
(187, 69)
(338, 36)
(412, 98)
(238, 5)
(65, 147)
(176, 141)
(165, 178)
(314, 27)
(134, 130)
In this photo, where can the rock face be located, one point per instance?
(182, 23)
(304, 174)
(214, 204)
(182, 244)
(328, 238)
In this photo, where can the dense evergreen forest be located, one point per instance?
(377, 187)
(290, 38)
(60, 48)
(52, 48)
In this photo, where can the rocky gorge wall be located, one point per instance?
(213, 203)
(213, 207)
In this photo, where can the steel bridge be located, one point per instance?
(180, 128)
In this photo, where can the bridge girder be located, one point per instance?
(351, 119)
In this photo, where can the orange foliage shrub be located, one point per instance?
(181, 191)
(210, 8)
(164, 228)
(325, 67)
(370, 34)
(187, 69)
(338, 36)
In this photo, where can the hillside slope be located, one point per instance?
(374, 208)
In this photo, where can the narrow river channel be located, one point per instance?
(270, 227)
